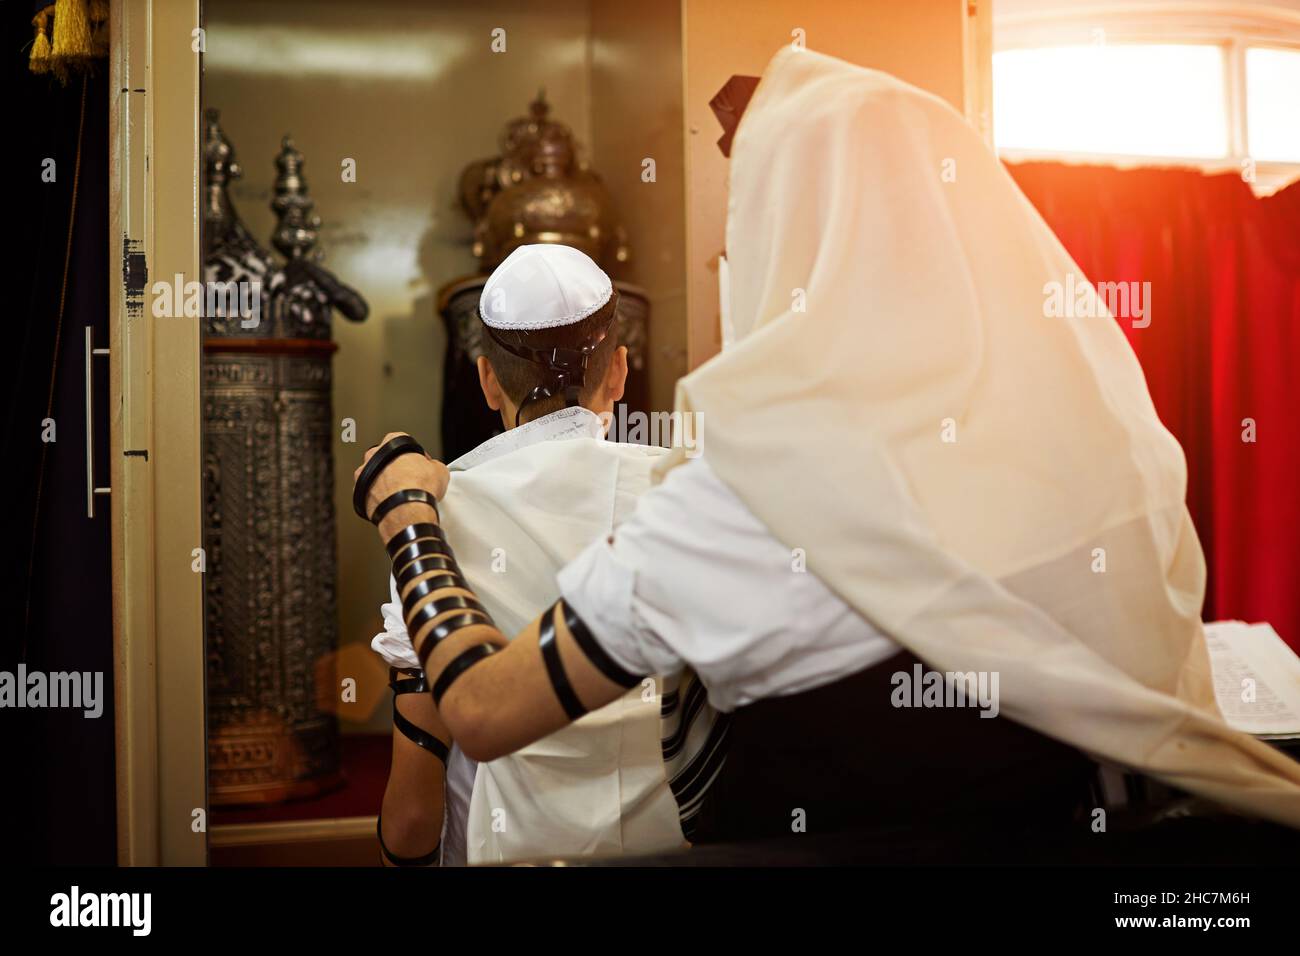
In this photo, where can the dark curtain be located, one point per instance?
(56, 613)
(1222, 348)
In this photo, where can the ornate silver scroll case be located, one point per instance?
(268, 482)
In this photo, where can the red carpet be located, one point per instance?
(365, 759)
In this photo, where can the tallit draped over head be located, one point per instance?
(987, 484)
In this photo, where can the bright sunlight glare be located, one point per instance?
(1273, 104)
(1122, 99)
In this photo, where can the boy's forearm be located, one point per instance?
(413, 804)
(411, 819)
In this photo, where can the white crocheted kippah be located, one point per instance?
(543, 286)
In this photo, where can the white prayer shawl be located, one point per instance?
(988, 485)
(520, 507)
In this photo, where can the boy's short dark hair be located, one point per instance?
(518, 376)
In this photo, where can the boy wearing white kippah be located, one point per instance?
(521, 506)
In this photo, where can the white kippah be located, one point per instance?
(543, 286)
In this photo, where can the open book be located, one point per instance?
(1256, 679)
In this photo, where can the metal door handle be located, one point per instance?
(91, 490)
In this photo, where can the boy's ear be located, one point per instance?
(487, 381)
(616, 374)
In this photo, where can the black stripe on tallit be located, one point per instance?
(695, 697)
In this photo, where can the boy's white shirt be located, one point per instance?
(519, 507)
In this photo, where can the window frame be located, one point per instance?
(1232, 28)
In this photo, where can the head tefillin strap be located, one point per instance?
(566, 368)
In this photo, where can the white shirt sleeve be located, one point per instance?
(694, 579)
(392, 643)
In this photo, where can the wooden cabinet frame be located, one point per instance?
(155, 435)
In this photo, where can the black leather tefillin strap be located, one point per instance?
(415, 541)
(595, 653)
(428, 859)
(566, 368)
(458, 666)
(419, 615)
(384, 456)
(399, 498)
(418, 549)
(412, 682)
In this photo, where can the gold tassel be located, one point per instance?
(40, 58)
(71, 31)
(100, 35)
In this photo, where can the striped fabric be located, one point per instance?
(694, 745)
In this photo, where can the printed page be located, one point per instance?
(1256, 678)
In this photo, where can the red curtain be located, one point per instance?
(1223, 346)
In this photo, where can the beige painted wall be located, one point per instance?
(920, 41)
(412, 92)
(636, 114)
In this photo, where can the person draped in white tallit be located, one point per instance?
(520, 506)
(976, 488)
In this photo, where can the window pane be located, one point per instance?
(1273, 103)
(1128, 99)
